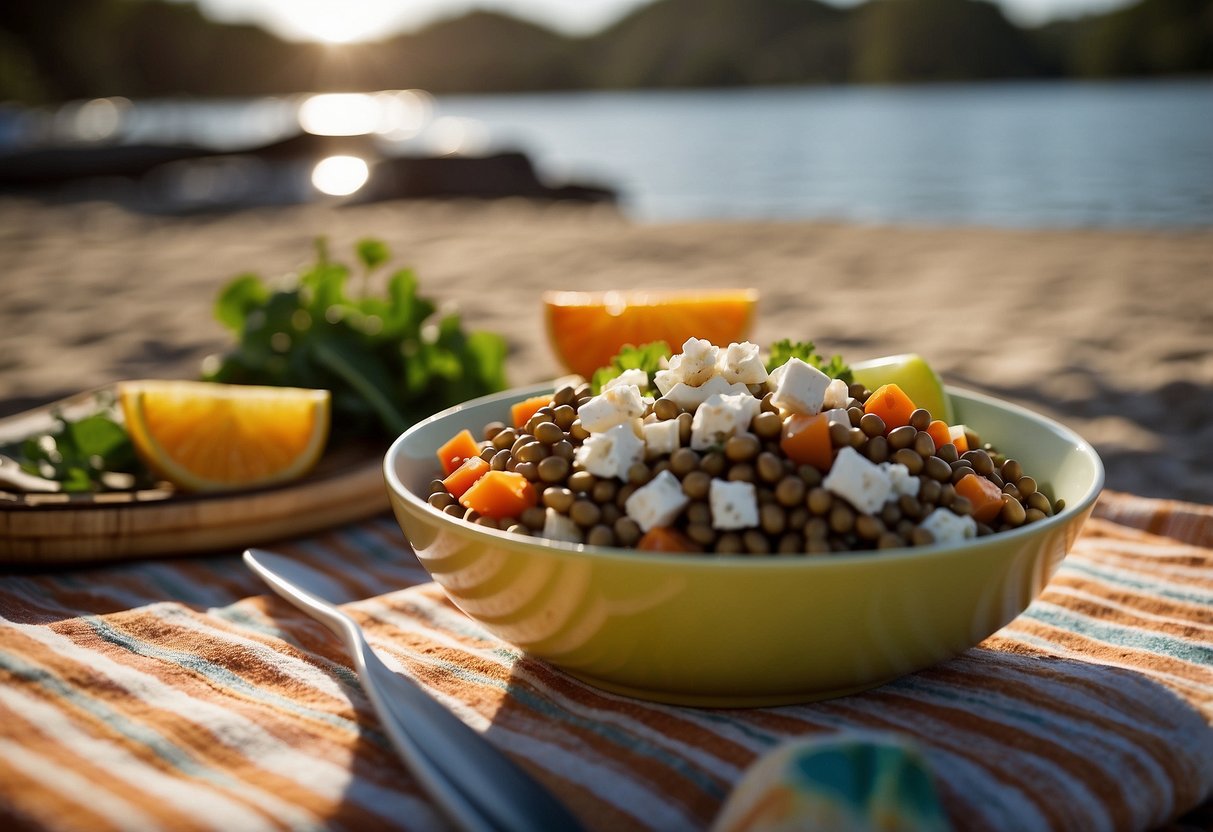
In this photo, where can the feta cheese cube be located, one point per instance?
(734, 505)
(667, 379)
(740, 363)
(837, 395)
(637, 426)
(685, 396)
(658, 502)
(838, 416)
(611, 453)
(802, 388)
(948, 527)
(689, 398)
(661, 437)
(720, 417)
(636, 377)
(697, 362)
(859, 481)
(557, 526)
(611, 407)
(774, 377)
(901, 480)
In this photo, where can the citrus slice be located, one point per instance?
(586, 329)
(204, 436)
(913, 375)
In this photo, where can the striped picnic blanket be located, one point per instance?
(180, 694)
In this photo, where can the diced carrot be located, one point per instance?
(806, 440)
(461, 479)
(959, 438)
(459, 447)
(666, 539)
(500, 494)
(985, 496)
(521, 412)
(892, 405)
(939, 432)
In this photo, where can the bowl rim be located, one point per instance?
(799, 560)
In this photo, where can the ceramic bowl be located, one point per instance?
(735, 631)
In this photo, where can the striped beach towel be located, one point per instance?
(180, 694)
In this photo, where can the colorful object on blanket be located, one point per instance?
(853, 782)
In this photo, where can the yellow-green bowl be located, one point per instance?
(737, 631)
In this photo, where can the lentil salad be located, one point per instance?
(715, 453)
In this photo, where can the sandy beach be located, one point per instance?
(1111, 332)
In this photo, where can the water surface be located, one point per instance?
(1024, 155)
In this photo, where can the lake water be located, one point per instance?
(1042, 154)
(1028, 155)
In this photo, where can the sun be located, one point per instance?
(339, 23)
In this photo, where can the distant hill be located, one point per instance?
(480, 51)
(721, 43)
(53, 50)
(939, 40)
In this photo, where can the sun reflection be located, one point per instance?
(93, 121)
(340, 175)
(394, 114)
(403, 113)
(339, 114)
(451, 135)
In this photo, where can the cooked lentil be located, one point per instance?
(877, 449)
(872, 425)
(796, 513)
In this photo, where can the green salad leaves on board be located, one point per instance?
(92, 453)
(388, 359)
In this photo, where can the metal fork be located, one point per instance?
(477, 786)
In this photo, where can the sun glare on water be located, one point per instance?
(340, 175)
(393, 114)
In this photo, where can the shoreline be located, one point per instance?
(1106, 330)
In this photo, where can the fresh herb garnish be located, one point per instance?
(785, 349)
(385, 358)
(93, 453)
(647, 357)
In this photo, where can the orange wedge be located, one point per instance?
(586, 329)
(203, 436)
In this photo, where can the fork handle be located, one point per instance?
(475, 784)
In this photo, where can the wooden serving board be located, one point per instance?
(46, 529)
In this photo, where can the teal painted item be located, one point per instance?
(853, 782)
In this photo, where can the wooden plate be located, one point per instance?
(346, 485)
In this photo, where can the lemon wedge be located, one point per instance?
(913, 375)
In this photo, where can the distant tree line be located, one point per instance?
(54, 50)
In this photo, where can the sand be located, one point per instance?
(1111, 332)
